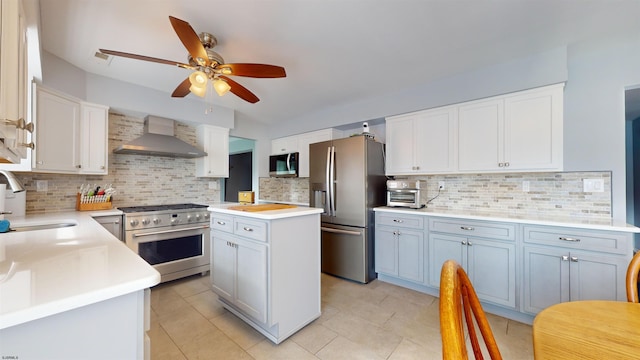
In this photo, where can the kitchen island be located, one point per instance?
(265, 266)
(72, 291)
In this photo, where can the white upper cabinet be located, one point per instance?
(214, 141)
(422, 142)
(515, 132)
(71, 135)
(14, 85)
(94, 130)
(520, 131)
(300, 144)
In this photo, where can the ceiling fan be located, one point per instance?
(208, 65)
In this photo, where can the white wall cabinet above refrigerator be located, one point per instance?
(521, 131)
(214, 141)
(71, 135)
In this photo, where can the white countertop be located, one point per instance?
(570, 221)
(265, 215)
(45, 272)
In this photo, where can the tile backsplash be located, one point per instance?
(551, 194)
(138, 179)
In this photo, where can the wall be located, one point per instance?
(550, 194)
(138, 179)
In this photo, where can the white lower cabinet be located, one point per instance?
(566, 264)
(486, 250)
(267, 272)
(400, 247)
(239, 273)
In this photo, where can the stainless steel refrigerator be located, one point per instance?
(346, 179)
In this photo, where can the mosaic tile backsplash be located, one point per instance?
(551, 194)
(138, 179)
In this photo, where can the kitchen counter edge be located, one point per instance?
(573, 221)
(267, 214)
(127, 272)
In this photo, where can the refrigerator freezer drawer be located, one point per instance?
(345, 253)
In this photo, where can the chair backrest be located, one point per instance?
(632, 278)
(456, 294)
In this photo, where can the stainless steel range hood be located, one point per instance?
(159, 140)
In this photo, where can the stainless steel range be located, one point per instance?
(173, 238)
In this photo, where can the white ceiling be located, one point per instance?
(335, 52)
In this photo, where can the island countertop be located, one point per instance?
(265, 215)
(46, 272)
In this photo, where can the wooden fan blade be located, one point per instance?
(190, 40)
(183, 89)
(241, 91)
(142, 57)
(253, 70)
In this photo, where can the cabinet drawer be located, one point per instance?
(612, 242)
(400, 220)
(222, 223)
(252, 229)
(487, 229)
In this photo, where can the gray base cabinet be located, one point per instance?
(568, 264)
(517, 269)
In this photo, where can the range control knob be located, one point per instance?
(197, 217)
(146, 221)
(133, 222)
(206, 216)
(175, 221)
(189, 218)
(156, 221)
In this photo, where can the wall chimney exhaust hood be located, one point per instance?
(159, 140)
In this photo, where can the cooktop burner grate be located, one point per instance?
(147, 208)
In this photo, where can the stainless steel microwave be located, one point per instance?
(284, 165)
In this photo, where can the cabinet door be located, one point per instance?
(400, 145)
(215, 142)
(533, 130)
(435, 141)
(304, 141)
(411, 255)
(223, 265)
(94, 129)
(386, 251)
(284, 145)
(57, 133)
(480, 135)
(546, 278)
(597, 277)
(251, 287)
(492, 270)
(442, 248)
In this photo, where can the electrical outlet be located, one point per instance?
(441, 185)
(42, 185)
(525, 186)
(213, 185)
(593, 185)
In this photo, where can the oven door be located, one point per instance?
(175, 251)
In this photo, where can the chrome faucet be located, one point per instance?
(14, 183)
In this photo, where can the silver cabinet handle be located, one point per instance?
(221, 222)
(463, 242)
(398, 221)
(574, 259)
(247, 229)
(466, 228)
(565, 258)
(563, 238)
(469, 243)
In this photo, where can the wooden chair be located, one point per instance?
(632, 278)
(457, 293)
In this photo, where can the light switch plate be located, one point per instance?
(213, 185)
(593, 185)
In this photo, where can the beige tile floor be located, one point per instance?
(373, 321)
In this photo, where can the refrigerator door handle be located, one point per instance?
(338, 231)
(333, 181)
(327, 204)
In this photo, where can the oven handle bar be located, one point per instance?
(170, 231)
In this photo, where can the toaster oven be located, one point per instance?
(403, 193)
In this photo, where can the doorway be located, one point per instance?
(632, 117)
(240, 175)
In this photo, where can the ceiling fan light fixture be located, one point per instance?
(198, 79)
(221, 86)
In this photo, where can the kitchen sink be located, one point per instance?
(42, 226)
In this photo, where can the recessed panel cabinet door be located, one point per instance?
(480, 135)
(546, 278)
(251, 286)
(597, 277)
(223, 266)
